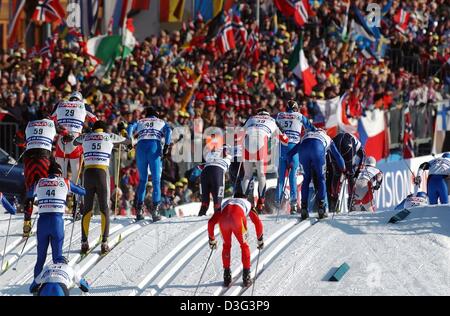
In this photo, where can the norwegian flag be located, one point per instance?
(252, 49)
(49, 11)
(225, 40)
(401, 18)
(302, 12)
(241, 31)
(408, 137)
(48, 47)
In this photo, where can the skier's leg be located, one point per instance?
(443, 191)
(103, 201)
(282, 166)
(75, 165)
(217, 187)
(156, 169)
(226, 231)
(432, 189)
(91, 189)
(43, 240)
(57, 236)
(205, 190)
(240, 231)
(261, 172)
(293, 178)
(142, 166)
(248, 174)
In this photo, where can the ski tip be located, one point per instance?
(120, 237)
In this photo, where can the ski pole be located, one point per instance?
(6, 241)
(286, 176)
(117, 182)
(204, 269)
(26, 241)
(237, 177)
(340, 198)
(15, 164)
(256, 271)
(74, 213)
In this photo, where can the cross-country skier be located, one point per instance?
(292, 123)
(413, 200)
(369, 180)
(5, 203)
(213, 178)
(38, 155)
(259, 132)
(51, 194)
(97, 148)
(150, 131)
(232, 220)
(70, 117)
(439, 170)
(312, 151)
(57, 278)
(353, 153)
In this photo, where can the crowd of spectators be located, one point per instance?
(165, 68)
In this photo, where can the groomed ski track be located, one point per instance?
(166, 258)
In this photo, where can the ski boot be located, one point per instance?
(226, 277)
(104, 248)
(322, 211)
(246, 278)
(304, 212)
(26, 229)
(84, 247)
(203, 210)
(294, 208)
(260, 206)
(155, 214)
(139, 210)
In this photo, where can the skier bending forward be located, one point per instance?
(233, 220)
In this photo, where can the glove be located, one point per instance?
(212, 244)
(166, 150)
(129, 147)
(68, 138)
(122, 128)
(260, 243)
(34, 287)
(417, 180)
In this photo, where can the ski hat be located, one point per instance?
(100, 125)
(54, 168)
(51, 289)
(151, 111)
(76, 96)
(292, 105)
(421, 194)
(446, 155)
(371, 161)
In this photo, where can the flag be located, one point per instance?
(215, 26)
(210, 9)
(15, 10)
(328, 115)
(299, 65)
(252, 48)
(105, 49)
(344, 122)
(49, 11)
(140, 5)
(83, 15)
(372, 133)
(120, 15)
(401, 18)
(48, 47)
(225, 40)
(171, 10)
(240, 30)
(302, 12)
(361, 21)
(442, 127)
(408, 137)
(286, 7)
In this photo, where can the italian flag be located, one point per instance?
(105, 49)
(299, 65)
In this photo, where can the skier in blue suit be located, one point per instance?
(291, 123)
(439, 170)
(312, 151)
(149, 152)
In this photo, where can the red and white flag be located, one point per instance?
(401, 18)
(408, 137)
(49, 11)
(252, 49)
(302, 12)
(225, 39)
